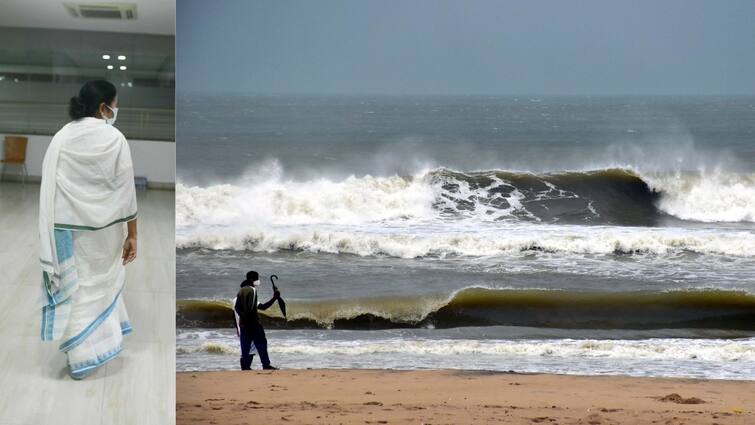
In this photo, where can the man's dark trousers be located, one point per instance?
(254, 333)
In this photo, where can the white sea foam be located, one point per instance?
(199, 349)
(706, 196)
(276, 202)
(561, 239)
(649, 349)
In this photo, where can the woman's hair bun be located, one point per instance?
(76, 108)
(91, 96)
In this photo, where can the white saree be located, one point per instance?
(86, 196)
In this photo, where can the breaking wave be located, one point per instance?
(476, 306)
(599, 241)
(448, 213)
(609, 196)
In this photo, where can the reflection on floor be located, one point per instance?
(138, 387)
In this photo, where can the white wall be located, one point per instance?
(154, 160)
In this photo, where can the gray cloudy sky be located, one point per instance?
(466, 47)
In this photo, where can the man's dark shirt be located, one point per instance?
(246, 306)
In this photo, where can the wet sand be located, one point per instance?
(455, 397)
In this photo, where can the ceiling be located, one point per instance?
(153, 16)
(67, 52)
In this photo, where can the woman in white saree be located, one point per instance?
(87, 230)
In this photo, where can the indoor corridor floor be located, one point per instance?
(138, 387)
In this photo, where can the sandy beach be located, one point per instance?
(455, 397)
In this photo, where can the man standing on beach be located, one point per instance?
(249, 323)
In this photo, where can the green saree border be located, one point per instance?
(77, 227)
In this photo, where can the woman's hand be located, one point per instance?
(129, 249)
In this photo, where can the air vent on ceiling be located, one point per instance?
(125, 11)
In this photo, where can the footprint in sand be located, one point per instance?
(676, 398)
(596, 419)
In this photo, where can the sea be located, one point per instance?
(577, 235)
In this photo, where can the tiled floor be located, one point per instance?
(138, 387)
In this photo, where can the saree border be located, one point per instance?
(82, 369)
(79, 227)
(62, 294)
(126, 328)
(81, 336)
(48, 319)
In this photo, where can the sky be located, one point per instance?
(472, 47)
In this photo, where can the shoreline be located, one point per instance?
(374, 396)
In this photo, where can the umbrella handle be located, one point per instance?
(272, 280)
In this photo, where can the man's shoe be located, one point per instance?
(269, 367)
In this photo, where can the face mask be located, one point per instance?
(111, 120)
(256, 283)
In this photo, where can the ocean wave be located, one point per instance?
(620, 196)
(647, 349)
(477, 306)
(445, 243)
(275, 202)
(209, 348)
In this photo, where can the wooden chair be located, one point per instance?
(14, 149)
